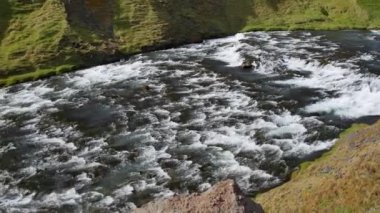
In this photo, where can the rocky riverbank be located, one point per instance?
(48, 37)
(345, 179)
(223, 197)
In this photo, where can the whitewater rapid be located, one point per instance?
(179, 120)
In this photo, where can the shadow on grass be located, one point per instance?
(5, 16)
(273, 4)
(193, 21)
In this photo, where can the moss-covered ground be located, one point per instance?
(345, 179)
(312, 15)
(40, 42)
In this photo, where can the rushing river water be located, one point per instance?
(178, 120)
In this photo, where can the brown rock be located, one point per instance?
(224, 197)
(247, 64)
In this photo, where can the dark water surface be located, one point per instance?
(175, 121)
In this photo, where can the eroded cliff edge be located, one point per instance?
(47, 37)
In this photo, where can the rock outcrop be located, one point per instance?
(224, 197)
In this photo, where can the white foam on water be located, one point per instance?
(194, 147)
(55, 142)
(107, 201)
(16, 200)
(322, 76)
(272, 152)
(228, 166)
(292, 129)
(262, 124)
(363, 102)
(232, 137)
(358, 93)
(106, 74)
(204, 187)
(285, 124)
(83, 178)
(3, 123)
(230, 55)
(303, 149)
(123, 191)
(229, 52)
(67, 197)
(28, 171)
(7, 148)
(25, 101)
(286, 118)
(149, 155)
(367, 57)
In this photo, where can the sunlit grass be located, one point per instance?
(345, 179)
(33, 37)
(309, 15)
(36, 35)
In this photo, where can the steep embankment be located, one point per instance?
(46, 37)
(40, 41)
(346, 179)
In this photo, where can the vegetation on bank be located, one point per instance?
(345, 179)
(39, 41)
(315, 15)
(46, 37)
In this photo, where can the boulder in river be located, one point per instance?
(247, 64)
(223, 197)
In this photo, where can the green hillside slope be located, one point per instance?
(46, 37)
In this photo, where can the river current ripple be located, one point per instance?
(113, 137)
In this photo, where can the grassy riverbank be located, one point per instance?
(48, 37)
(345, 179)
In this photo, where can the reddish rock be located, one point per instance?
(224, 197)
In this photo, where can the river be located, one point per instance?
(116, 136)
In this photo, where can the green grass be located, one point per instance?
(38, 74)
(309, 14)
(38, 43)
(354, 128)
(345, 179)
(5, 15)
(36, 35)
(137, 25)
(373, 9)
(33, 37)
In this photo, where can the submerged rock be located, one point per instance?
(247, 64)
(223, 197)
(251, 63)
